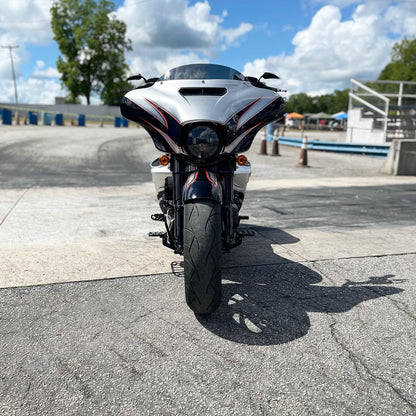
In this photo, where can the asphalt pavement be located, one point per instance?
(318, 314)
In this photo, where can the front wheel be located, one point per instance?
(202, 255)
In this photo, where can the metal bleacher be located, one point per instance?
(381, 111)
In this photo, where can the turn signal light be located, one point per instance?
(164, 160)
(242, 160)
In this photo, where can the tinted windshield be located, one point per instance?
(202, 71)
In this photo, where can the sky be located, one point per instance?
(315, 46)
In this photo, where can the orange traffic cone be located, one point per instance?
(275, 148)
(303, 159)
(263, 145)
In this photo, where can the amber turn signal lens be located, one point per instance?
(164, 160)
(242, 160)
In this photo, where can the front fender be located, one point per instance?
(202, 185)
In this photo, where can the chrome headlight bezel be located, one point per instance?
(202, 141)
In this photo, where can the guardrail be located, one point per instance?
(339, 147)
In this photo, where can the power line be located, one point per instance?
(10, 47)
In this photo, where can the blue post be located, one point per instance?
(33, 118)
(59, 119)
(6, 116)
(81, 120)
(46, 119)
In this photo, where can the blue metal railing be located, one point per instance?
(339, 147)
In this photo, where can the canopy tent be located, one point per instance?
(294, 115)
(342, 115)
(320, 116)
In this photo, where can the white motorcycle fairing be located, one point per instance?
(239, 107)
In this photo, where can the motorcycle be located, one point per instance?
(202, 117)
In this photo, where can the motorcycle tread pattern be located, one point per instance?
(202, 255)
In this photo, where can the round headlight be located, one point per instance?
(202, 142)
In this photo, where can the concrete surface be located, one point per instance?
(401, 159)
(318, 313)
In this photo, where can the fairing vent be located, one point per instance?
(202, 91)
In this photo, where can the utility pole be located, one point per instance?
(10, 47)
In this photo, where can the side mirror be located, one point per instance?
(269, 75)
(140, 76)
(136, 77)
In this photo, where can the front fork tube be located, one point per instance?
(178, 183)
(227, 211)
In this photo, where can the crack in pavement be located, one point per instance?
(362, 369)
(15, 205)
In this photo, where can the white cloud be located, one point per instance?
(200, 20)
(24, 21)
(5, 63)
(39, 88)
(401, 18)
(177, 25)
(231, 35)
(34, 91)
(166, 33)
(161, 63)
(331, 50)
(40, 71)
(375, 4)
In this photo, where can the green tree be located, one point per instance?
(328, 103)
(403, 62)
(300, 103)
(339, 101)
(322, 103)
(92, 43)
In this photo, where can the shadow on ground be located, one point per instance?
(268, 305)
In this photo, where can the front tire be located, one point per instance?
(202, 255)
